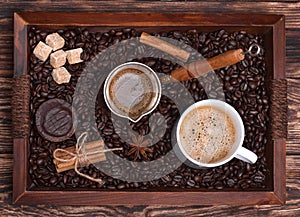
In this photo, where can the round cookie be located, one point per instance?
(54, 120)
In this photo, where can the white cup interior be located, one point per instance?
(237, 121)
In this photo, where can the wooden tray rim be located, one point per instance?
(22, 196)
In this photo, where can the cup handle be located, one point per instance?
(246, 155)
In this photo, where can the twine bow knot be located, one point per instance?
(80, 156)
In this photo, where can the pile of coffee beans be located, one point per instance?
(242, 85)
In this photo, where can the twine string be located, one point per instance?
(80, 156)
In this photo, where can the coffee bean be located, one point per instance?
(40, 161)
(121, 186)
(197, 178)
(108, 132)
(191, 182)
(53, 180)
(218, 185)
(207, 178)
(252, 85)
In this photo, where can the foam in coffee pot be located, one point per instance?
(131, 91)
(207, 134)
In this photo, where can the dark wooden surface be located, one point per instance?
(289, 8)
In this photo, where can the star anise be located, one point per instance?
(138, 147)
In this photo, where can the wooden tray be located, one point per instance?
(270, 26)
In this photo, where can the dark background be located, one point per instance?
(291, 9)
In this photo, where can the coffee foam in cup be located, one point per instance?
(207, 134)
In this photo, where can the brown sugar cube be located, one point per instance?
(73, 56)
(42, 51)
(61, 75)
(58, 58)
(55, 41)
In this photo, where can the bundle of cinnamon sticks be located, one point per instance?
(90, 147)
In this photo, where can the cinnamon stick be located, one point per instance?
(89, 148)
(71, 163)
(199, 68)
(92, 159)
(164, 46)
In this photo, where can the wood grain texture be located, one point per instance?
(289, 8)
(5, 115)
(293, 98)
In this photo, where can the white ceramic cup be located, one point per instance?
(237, 150)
